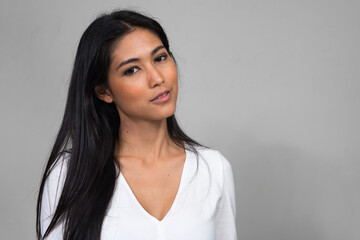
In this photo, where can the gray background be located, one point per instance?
(274, 85)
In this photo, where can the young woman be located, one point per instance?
(121, 167)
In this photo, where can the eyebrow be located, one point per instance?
(137, 59)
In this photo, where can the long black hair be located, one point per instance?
(89, 130)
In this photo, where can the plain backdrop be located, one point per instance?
(273, 84)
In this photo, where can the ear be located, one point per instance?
(103, 93)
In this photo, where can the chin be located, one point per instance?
(164, 114)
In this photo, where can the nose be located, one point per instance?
(155, 76)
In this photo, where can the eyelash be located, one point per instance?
(164, 55)
(161, 57)
(127, 71)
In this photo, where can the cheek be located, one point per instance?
(127, 96)
(174, 80)
(172, 76)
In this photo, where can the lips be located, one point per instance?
(160, 95)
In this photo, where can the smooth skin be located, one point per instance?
(150, 162)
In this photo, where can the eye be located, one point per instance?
(130, 71)
(161, 57)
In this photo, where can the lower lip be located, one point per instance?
(163, 99)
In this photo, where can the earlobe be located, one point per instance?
(103, 94)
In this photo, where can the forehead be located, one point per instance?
(136, 44)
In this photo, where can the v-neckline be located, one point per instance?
(173, 205)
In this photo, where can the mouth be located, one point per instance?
(161, 97)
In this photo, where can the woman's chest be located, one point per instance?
(192, 215)
(186, 220)
(154, 189)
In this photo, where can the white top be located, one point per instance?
(203, 209)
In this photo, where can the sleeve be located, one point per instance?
(226, 208)
(51, 194)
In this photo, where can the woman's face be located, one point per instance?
(140, 70)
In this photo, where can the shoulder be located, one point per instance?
(214, 158)
(54, 183)
(216, 163)
(51, 194)
(59, 167)
(214, 166)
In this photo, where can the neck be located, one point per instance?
(144, 140)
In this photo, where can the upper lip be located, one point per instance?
(159, 94)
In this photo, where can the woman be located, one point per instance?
(121, 167)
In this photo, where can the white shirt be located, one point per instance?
(203, 209)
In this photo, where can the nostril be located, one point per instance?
(158, 83)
